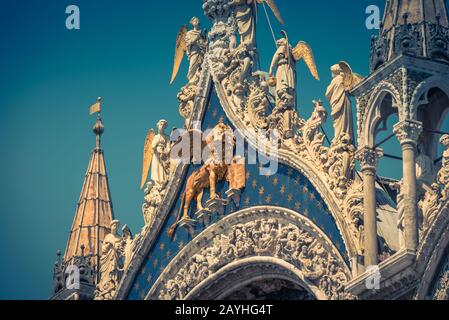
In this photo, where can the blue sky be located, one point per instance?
(123, 52)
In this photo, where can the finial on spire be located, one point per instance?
(98, 128)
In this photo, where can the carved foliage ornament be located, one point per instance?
(266, 237)
(369, 158)
(408, 132)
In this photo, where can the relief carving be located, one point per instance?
(265, 237)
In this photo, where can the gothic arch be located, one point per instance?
(423, 88)
(430, 105)
(375, 113)
(258, 237)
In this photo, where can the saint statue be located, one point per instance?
(343, 80)
(110, 264)
(245, 14)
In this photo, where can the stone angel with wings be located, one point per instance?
(193, 44)
(157, 155)
(246, 16)
(284, 64)
(343, 81)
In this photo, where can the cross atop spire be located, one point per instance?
(417, 28)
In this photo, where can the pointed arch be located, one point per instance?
(376, 111)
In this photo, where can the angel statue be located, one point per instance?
(156, 153)
(193, 43)
(246, 15)
(284, 64)
(338, 94)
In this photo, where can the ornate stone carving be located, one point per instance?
(312, 136)
(338, 95)
(156, 155)
(116, 256)
(379, 51)
(369, 158)
(283, 71)
(265, 237)
(408, 132)
(353, 210)
(408, 38)
(186, 98)
(154, 194)
(437, 195)
(258, 103)
(439, 40)
(193, 43)
(341, 164)
(442, 292)
(111, 264)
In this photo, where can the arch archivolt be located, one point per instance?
(241, 273)
(419, 96)
(374, 114)
(279, 240)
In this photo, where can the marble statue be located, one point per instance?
(156, 155)
(284, 65)
(193, 44)
(338, 96)
(111, 265)
(246, 16)
(160, 163)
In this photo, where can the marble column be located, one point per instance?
(408, 132)
(369, 159)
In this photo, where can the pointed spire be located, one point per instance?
(94, 212)
(417, 28)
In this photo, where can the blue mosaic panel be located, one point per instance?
(288, 188)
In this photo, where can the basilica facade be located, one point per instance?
(322, 225)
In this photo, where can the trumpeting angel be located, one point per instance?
(193, 44)
(284, 65)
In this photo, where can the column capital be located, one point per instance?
(408, 132)
(369, 158)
